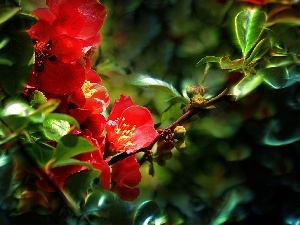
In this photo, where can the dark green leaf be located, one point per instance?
(226, 63)
(71, 145)
(171, 111)
(156, 84)
(262, 47)
(249, 25)
(19, 53)
(209, 59)
(147, 212)
(77, 185)
(277, 77)
(6, 172)
(8, 12)
(109, 208)
(39, 152)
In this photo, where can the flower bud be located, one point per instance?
(180, 145)
(197, 100)
(179, 132)
(193, 90)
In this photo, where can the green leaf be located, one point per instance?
(227, 64)
(70, 146)
(178, 99)
(246, 85)
(55, 129)
(64, 117)
(8, 12)
(171, 111)
(249, 25)
(277, 77)
(48, 106)
(6, 172)
(108, 207)
(156, 84)
(146, 213)
(39, 152)
(77, 185)
(19, 52)
(262, 47)
(209, 59)
(37, 98)
(68, 162)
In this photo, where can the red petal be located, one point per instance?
(40, 31)
(92, 76)
(142, 137)
(119, 106)
(61, 78)
(137, 115)
(66, 49)
(44, 14)
(126, 172)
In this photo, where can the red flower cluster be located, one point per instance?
(64, 37)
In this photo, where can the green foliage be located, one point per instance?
(249, 25)
(16, 52)
(69, 146)
(147, 213)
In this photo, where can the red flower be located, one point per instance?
(125, 176)
(63, 35)
(129, 127)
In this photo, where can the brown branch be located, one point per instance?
(192, 110)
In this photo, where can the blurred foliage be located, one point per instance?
(242, 162)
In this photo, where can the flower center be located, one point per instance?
(42, 52)
(87, 89)
(124, 133)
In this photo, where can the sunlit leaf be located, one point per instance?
(246, 85)
(178, 99)
(55, 129)
(277, 77)
(71, 145)
(249, 25)
(148, 212)
(156, 84)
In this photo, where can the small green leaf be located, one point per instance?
(3, 42)
(171, 111)
(209, 59)
(55, 129)
(37, 98)
(277, 77)
(227, 64)
(156, 84)
(249, 25)
(146, 213)
(70, 146)
(262, 47)
(48, 106)
(8, 12)
(6, 172)
(77, 185)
